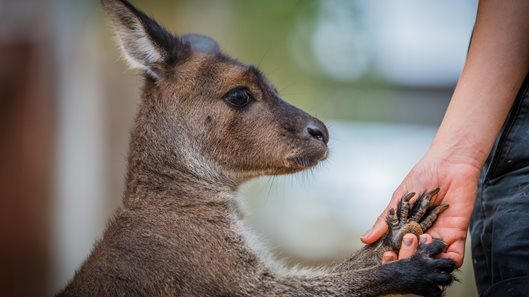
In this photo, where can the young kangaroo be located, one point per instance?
(206, 124)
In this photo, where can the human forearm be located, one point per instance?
(497, 63)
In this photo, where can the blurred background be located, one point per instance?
(380, 73)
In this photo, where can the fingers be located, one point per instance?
(456, 252)
(389, 256)
(381, 226)
(378, 230)
(454, 256)
(407, 249)
(409, 246)
(425, 239)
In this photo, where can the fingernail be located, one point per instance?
(407, 241)
(422, 239)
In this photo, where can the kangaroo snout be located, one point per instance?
(302, 139)
(317, 131)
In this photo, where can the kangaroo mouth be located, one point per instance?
(305, 160)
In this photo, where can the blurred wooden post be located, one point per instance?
(26, 138)
(26, 149)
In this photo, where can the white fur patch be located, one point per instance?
(260, 247)
(197, 163)
(137, 48)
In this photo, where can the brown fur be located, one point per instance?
(179, 232)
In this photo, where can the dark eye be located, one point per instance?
(238, 97)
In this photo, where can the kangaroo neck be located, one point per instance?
(164, 179)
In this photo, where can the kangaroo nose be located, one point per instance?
(318, 131)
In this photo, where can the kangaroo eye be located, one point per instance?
(238, 97)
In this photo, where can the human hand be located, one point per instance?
(458, 185)
(408, 248)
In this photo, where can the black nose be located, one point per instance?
(318, 131)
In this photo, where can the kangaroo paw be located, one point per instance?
(422, 274)
(416, 218)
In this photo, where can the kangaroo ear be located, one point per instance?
(145, 44)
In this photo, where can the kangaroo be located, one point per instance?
(206, 124)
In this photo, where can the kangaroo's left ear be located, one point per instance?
(145, 44)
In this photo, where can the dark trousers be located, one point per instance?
(500, 223)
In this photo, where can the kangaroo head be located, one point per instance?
(208, 114)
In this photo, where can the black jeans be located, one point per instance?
(500, 223)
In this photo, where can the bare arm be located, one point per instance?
(496, 65)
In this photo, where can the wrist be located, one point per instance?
(459, 149)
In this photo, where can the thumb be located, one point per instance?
(378, 230)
